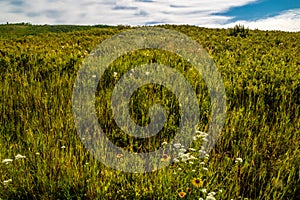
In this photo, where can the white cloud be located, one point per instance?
(136, 12)
(286, 21)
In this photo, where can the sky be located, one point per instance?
(255, 14)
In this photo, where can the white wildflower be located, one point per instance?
(211, 194)
(176, 160)
(238, 160)
(202, 152)
(192, 149)
(204, 168)
(147, 73)
(37, 153)
(19, 156)
(210, 198)
(177, 145)
(7, 181)
(6, 161)
(63, 147)
(193, 170)
(184, 159)
(94, 76)
(193, 157)
(204, 190)
(201, 134)
(202, 163)
(164, 143)
(115, 74)
(182, 150)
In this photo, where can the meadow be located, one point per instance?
(257, 155)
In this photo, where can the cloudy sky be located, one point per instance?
(262, 14)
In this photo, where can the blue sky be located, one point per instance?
(261, 9)
(262, 14)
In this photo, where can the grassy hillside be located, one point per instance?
(12, 31)
(257, 155)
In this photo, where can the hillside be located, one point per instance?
(257, 155)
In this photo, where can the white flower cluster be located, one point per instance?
(183, 155)
(201, 135)
(238, 160)
(6, 182)
(8, 160)
(19, 156)
(210, 196)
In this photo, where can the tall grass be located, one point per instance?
(262, 81)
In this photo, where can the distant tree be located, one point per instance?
(239, 30)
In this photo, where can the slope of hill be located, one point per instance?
(257, 155)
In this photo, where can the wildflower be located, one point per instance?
(115, 74)
(202, 163)
(193, 157)
(201, 134)
(19, 156)
(37, 153)
(189, 190)
(202, 152)
(182, 194)
(177, 145)
(220, 191)
(6, 161)
(182, 150)
(7, 181)
(94, 76)
(179, 169)
(164, 143)
(147, 73)
(204, 168)
(63, 147)
(211, 194)
(238, 160)
(193, 170)
(210, 198)
(175, 160)
(201, 198)
(184, 157)
(192, 149)
(204, 190)
(197, 182)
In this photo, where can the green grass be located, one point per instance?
(261, 74)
